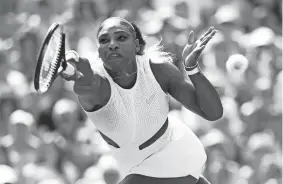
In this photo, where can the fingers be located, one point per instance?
(77, 75)
(198, 51)
(195, 54)
(73, 69)
(191, 38)
(193, 49)
(70, 73)
(72, 57)
(204, 39)
(211, 29)
(208, 38)
(67, 77)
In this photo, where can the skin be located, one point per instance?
(114, 37)
(93, 90)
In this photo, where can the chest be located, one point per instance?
(143, 99)
(140, 93)
(143, 107)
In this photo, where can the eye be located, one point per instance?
(103, 40)
(122, 38)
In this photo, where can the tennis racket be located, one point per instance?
(51, 60)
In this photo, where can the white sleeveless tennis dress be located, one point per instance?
(133, 116)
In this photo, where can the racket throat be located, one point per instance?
(63, 60)
(64, 64)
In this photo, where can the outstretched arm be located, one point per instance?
(201, 97)
(88, 85)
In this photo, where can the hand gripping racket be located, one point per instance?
(51, 59)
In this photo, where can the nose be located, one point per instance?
(113, 46)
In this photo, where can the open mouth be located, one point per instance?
(114, 56)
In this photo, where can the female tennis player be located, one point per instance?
(127, 99)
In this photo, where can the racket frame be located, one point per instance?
(60, 66)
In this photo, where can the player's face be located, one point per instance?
(116, 44)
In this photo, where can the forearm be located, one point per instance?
(207, 97)
(181, 67)
(203, 98)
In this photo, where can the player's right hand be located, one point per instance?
(79, 71)
(71, 72)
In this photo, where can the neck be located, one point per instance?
(128, 69)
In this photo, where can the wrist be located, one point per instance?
(189, 68)
(193, 69)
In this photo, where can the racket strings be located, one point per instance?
(50, 60)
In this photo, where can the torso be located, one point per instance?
(132, 112)
(130, 103)
(126, 83)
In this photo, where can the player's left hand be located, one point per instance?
(194, 48)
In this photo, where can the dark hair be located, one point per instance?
(155, 52)
(139, 36)
(134, 29)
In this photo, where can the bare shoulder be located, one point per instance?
(166, 74)
(163, 67)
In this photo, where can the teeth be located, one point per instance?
(114, 55)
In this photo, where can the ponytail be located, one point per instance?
(155, 52)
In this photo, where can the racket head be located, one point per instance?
(50, 58)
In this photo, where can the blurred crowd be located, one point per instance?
(47, 138)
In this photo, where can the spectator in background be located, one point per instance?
(110, 171)
(259, 145)
(5, 66)
(227, 19)
(270, 168)
(65, 114)
(8, 104)
(21, 146)
(28, 43)
(250, 30)
(240, 78)
(74, 151)
(8, 175)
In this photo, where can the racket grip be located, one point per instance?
(70, 70)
